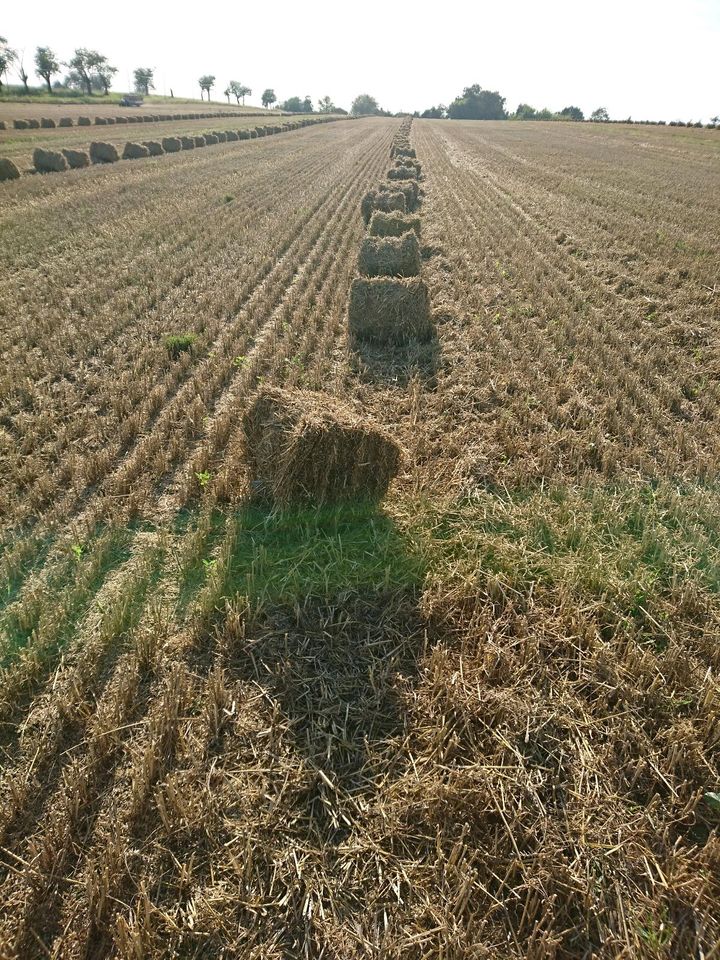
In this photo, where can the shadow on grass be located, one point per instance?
(396, 364)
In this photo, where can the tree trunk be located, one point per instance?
(47, 81)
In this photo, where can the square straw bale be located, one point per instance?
(381, 310)
(390, 256)
(308, 447)
(393, 224)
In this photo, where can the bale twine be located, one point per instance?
(390, 256)
(389, 311)
(187, 143)
(84, 121)
(47, 123)
(20, 124)
(8, 170)
(154, 148)
(307, 447)
(211, 139)
(135, 151)
(65, 122)
(382, 200)
(76, 159)
(48, 161)
(171, 145)
(199, 141)
(103, 152)
(392, 224)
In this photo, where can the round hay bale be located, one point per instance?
(135, 151)
(308, 447)
(199, 141)
(3, 125)
(211, 139)
(120, 120)
(392, 224)
(20, 125)
(231, 135)
(65, 122)
(253, 134)
(33, 124)
(389, 311)
(76, 159)
(8, 170)
(103, 152)
(154, 148)
(110, 121)
(100, 121)
(48, 161)
(47, 123)
(221, 135)
(390, 256)
(243, 134)
(260, 131)
(187, 143)
(171, 144)
(84, 121)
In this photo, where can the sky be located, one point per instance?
(647, 59)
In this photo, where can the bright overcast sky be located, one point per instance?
(649, 59)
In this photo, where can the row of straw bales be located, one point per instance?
(57, 161)
(389, 301)
(307, 447)
(49, 123)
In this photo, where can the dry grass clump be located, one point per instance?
(103, 152)
(135, 151)
(385, 200)
(389, 311)
(303, 446)
(48, 161)
(47, 123)
(8, 170)
(76, 159)
(393, 224)
(154, 148)
(171, 145)
(390, 256)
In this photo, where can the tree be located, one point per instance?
(600, 115)
(206, 82)
(292, 105)
(365, 106)
(46, 64)
(307, 105)
(268, 97)
(478, 104)
(325, 105)
(104, 72)
(525, 112)
(8, 56)
(144, 77)
(226, 93)
(238, 90)
(89, 65)
(434, 113)
(572, 113)
(23, 75)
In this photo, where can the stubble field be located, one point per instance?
(479, 722)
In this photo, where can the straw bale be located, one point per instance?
(389, 311)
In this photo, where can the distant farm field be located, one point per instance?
(480, 721)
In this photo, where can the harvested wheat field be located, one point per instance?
(477, 719)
